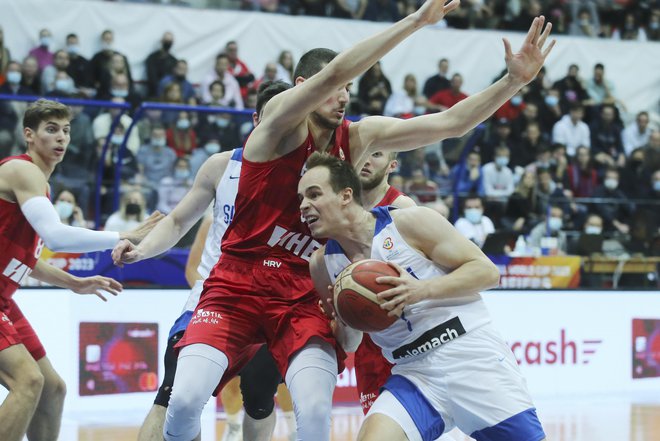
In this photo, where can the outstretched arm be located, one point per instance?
(80, 285)
(391, 134)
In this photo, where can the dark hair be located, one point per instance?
(268, 90)
(71, 36)
(312, 62)
(43, 110)
(221, 55)
(599, 66)
(220, 83)
(342, 174)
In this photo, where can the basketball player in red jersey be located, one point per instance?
(261, 290)
(28, 220)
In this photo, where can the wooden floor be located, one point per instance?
(598, 418)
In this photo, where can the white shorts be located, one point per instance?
(472, 383)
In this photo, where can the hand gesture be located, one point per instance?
(96, 285)
(125, 252)
(432, 11)
(136, 235)
(524, 65)
(406, 290)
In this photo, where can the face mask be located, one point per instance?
(592, 229)
(502, 161)
(73, 49)
(133, 209)
(106, 46)
(212, 147)
(584, 22)
(473, 215)
(656, 185)
(555, 223)
(551, 100)
(64, 85)
(516, 100)
(167, 45)
(222, 123)
(120, 93)
(182, 124)
(611, 184)
(181, 174)
(420, 110)
(655, 25)
(44, 41)
(116, 139)
(64, 209)
(14, 77)
(158, 142)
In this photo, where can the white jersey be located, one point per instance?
(223, 212)
(424, 325)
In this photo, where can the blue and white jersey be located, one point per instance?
(425, 325)
(223, 212)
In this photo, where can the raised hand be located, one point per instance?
(136, 235)
(524, 65)
(432, 11)
(96, 285)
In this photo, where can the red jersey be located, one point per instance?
(20, 245)
(267, 225)
(390, 196)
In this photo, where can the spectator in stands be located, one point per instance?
(536, 91)
(238, 68)
(156, 159)
(653, 29)
(349, 9)
(132, 211)
(570, 89)
(549, 192)
(179, 75)
(599, 88)
(635, 177)
(439, 81)
(5, 57)
(581, 174)
(63, 86)
(500, 135)
(571, 131)
(100, 64)
(31, 75)
(8, 126)
(558, 163)
(102, 123)
(232, 97)
(159, 64)
(407, 102)
(42, 52)
(373, 90)
(550, 111)
(421, 188)
(175, 186)
(438, 206)
(172, 94)
(630, 29)
(474, 225)
(201, 154)
(616, 210)
(606, 145)
(397, 181)
(530, 9)
(636, 134)
(181, 137)
(269, 75)
(129, 169)
(530, 114)
(13, 84)
(116, 80)
(521, 211)
(285, 67)
(78, 68)
(68, 210)
(585, 19)
(381, 10)
(468, 179)
(525, 151)
(513, 108)
(497, 176)
(60, 64)
(446, 98)
(548, 234)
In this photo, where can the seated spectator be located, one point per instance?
(529, 115)
(174, 187)
(68, 209)
(446, 98)
(421, 188)
(571, 131)
(630, 30)
(439, 206)
(407, 102)
(497, 176)
(526, 151)
(571, 92)
(5, 57)
(381, 10)
(179, 76)
(132, 211)
(42, 52)
(201, 154)
(599, 88)
(285, 66)
(550, 111)
(397, 181)
(119, 86)
(13, 84)
(636, 134)
(60, 64)
(521, 211)
(78, 68)
(500, 135)
(373, 90)
(474, 225)
(606, 145)
(172, 94)
(100, 64)
(468, 179)
(585, 21)
(8, 128)
(581, 174)
(513, 108)
(548, 235)
(559, 164)
(238, 68)
(156, 159)
(615, 214)
(549, 193)
(269, 75)
(349, 9)
(181, 136)
(103, 122)
(63, 87)
(31, 75)
(439, 81)
(635, 177)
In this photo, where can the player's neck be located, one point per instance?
(371, 198)
(356, 238)
(44, 166)
(323, 136)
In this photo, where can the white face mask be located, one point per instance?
(474, 215)
(555, 223)
(116, 139)
(64, 209)
(182, 124)
(181, 174)
(502, 161)
(593, 229)
(158, 142)
(611, 184)
(64, 85)
(14, 77)
(222, 122)
(212, 147)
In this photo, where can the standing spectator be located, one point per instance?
(585, 20)
(100, 64)
(470, 179)
(570, 89)
(178, 75)
(525, 151)
(599, 88)
(373, 90)
(238, 68)
(42, 51)
(521, 210)
(446, 98)
(615, 214)
(474, 225)
(636, 134)
(285, 67)
(497, 176)
(60, 64)
(232, 96)
(635, 177)
(5, 57)
(201, 154)
(606, 145)
(31, 76)
(182, 137)
(175, 186)
(102, 123)
(407, 102)
(159, 64)
(78, 68)
(581, 174)
(156, 159)
(439, 81)
(571, 131)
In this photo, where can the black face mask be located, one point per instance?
(167, 45)
(133, 209)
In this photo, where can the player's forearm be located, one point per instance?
(465, 282)
(164, 236)
(53, 276)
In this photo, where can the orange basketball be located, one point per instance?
(355, 295)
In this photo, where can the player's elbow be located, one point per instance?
(491, 275)
(55, 243)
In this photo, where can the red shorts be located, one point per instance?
(15, 330)
(246, 304)
(371, 371)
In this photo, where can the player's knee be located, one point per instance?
(258, 400)
(314, 408)
(30, 384)
(55, 387)
(182, 422)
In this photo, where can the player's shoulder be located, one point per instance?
(413, 219)
(404, 201)
(19, 168)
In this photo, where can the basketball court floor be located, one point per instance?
(585, 418)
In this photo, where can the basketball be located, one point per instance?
(355, 298)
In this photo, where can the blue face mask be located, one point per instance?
(119, 93)
(222, 122)
(160, 142)
(183, 124)
(502, 161)
(555, 223)
(116, 139)
(73, 49)
(181, 174)
(14, 77)
(44, 41)
(473, 215)
(64, 209)
(212, 147)
(551, 100)
(64, 85)
(516, 100)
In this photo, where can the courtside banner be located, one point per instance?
(543, 272)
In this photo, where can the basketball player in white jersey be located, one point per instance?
(451, 368)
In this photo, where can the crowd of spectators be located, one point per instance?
(557, 150)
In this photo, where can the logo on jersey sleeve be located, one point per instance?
(388, 244)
